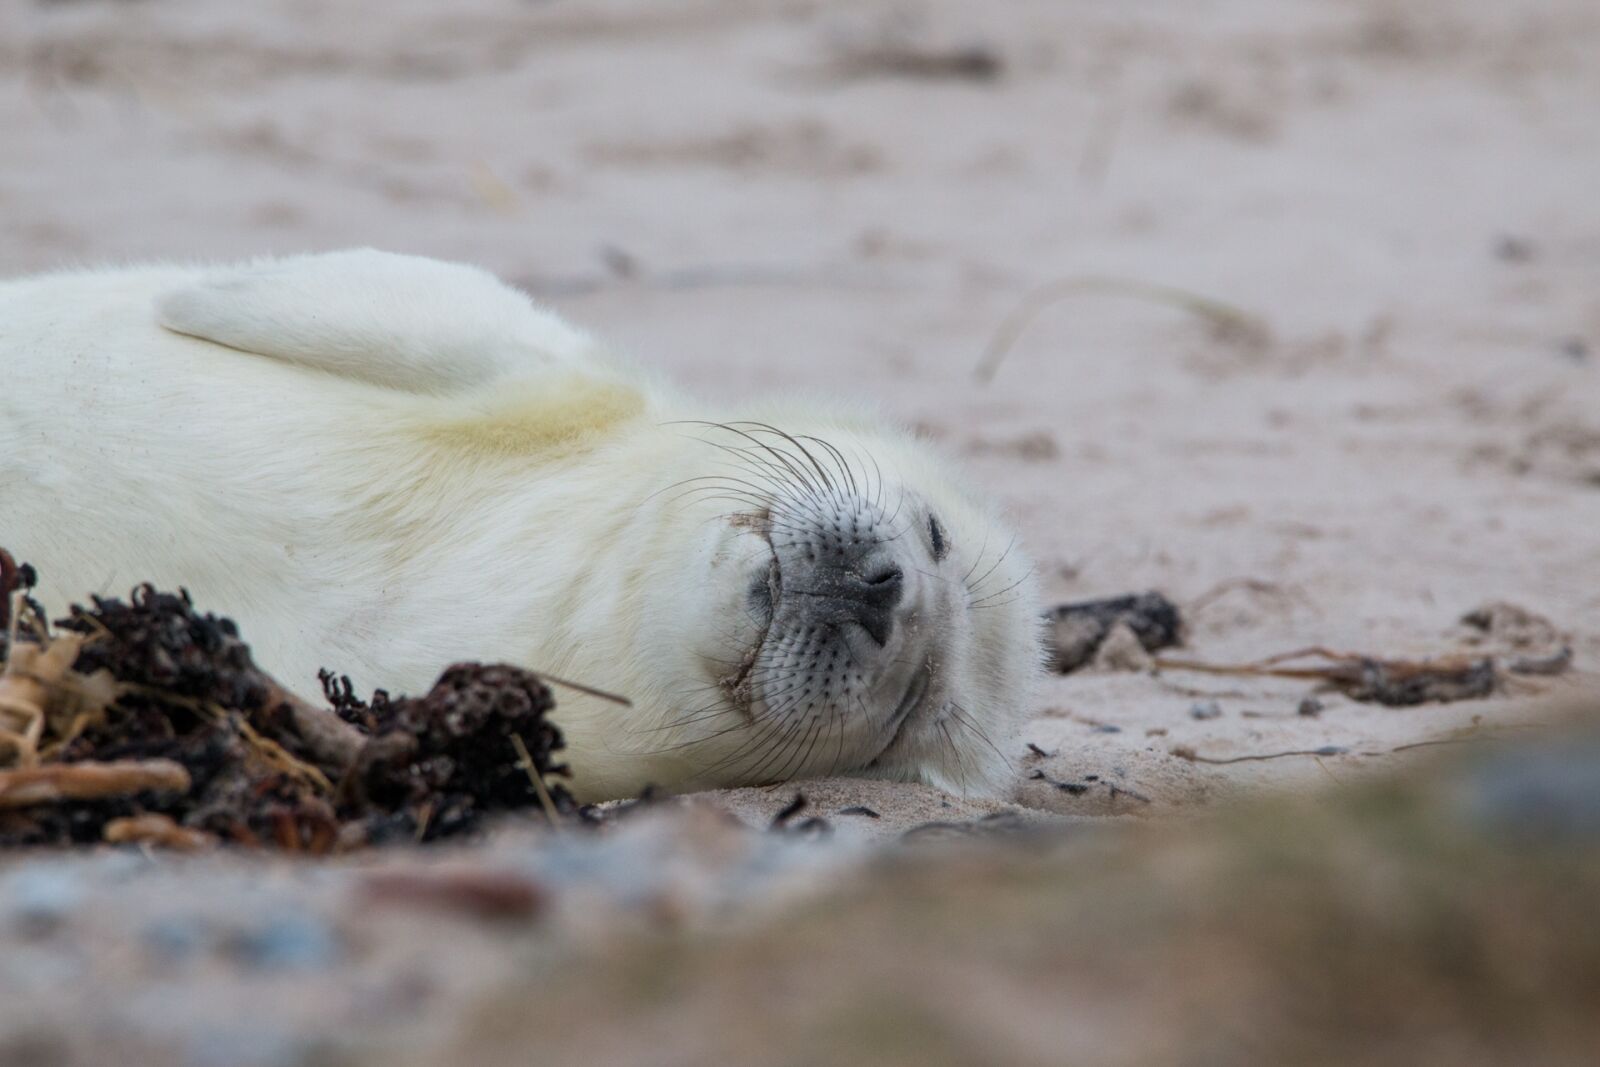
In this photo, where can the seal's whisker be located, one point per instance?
(770, 505)
(756, 742)
(717, 492)
(1002, 592)
(762, 427)
(787, 751)
(975, 586)
(693, 742)
(872, 724)
(1000, 604)
(708, 714)
(782, 474)
(750, 742)
(782, 457)
(719, 478)
(838, 461)
(898, 504)
(821, 473)
(804, 757)
(791, 504)
(977, 560)
(792, 739)
(955, 750)
(747, 459)
(964, 718)
(838, 749)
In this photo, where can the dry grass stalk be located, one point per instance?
(157, 830)
(33, 674)
(88, 781)
(1227, 323)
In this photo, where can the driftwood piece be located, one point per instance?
(327, 737)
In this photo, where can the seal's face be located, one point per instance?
(858, 614)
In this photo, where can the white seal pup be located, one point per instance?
(383, 464)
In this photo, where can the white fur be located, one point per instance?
(384, 464)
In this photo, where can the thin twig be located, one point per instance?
(1226, 319)
(1184, 752)
(525, 761)
(585, 689)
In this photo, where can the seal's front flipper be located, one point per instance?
(405, 322)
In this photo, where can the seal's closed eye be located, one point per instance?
(941, 547)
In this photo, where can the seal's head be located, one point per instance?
(843, 607)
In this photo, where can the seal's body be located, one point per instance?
(383, 464)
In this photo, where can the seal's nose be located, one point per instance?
(837, 571)
(872, 598)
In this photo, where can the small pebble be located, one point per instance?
(1546, 790)
(1106, 728)
(42, 897)
(1509, 248)
(1205, 709)
(288, 942)
(1310, 707)
(859, 809)
(174, 937)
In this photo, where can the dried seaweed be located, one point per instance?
(438, 763)
(1393, 682)
(146, 721)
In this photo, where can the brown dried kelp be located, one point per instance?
(145, 720)
(436, 764)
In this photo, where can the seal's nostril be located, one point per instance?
(886, 576)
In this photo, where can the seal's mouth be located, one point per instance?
(906, 712)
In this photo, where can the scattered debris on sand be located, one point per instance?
(1078, 630)
(1393, 682)
(974, 62)
(146, 721)
(899, 55)
(483, 893)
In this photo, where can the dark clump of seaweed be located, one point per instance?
(436, 764)
(145, 720)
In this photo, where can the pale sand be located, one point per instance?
(1404, 195)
